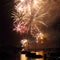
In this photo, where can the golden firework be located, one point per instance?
(27, 17)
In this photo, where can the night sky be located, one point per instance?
(7, 36)
(10, 38)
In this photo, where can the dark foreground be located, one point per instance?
(13, 53)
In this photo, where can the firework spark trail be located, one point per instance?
(43, 23)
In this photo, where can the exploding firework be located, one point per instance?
(28, 17)
(24, 42)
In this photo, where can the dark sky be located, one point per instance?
(9, 38)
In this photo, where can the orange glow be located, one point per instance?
(23, 57)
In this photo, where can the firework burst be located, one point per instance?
(27, 17)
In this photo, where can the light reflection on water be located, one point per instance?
(23, 56)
